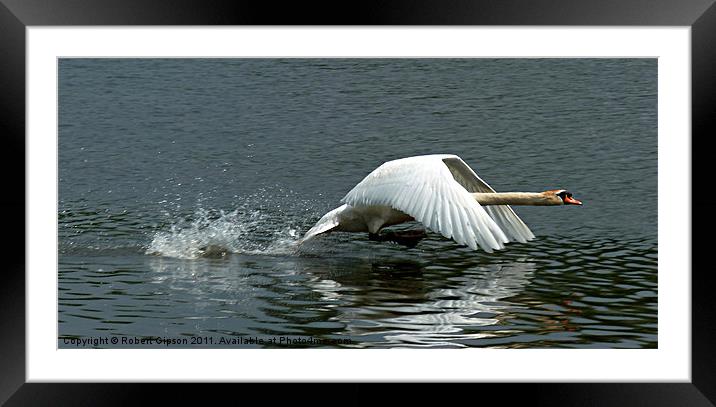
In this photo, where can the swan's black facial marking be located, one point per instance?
(562, 194)
(567, 198)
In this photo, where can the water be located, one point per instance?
(160, 158)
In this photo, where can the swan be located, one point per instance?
(444, 194)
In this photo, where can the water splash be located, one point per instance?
(285, 242)
(211, 234)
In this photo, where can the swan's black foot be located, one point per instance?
(408, 238)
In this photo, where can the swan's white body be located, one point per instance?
(434, 190)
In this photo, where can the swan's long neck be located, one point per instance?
(516, 198)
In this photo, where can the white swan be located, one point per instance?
(441, 192)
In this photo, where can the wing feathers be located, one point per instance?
(503, 215)
(424, 188)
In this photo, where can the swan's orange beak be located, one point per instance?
(568, 200)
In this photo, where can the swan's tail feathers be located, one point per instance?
(327, 223)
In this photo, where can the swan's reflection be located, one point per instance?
(456, 312)
(395, 302)
(407, 303)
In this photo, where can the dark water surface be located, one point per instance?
(159, 158)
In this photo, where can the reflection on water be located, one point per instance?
(443, 316)
(541, 294)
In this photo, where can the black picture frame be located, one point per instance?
(16, 15)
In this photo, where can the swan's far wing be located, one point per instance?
(503, 215)
(424, 188)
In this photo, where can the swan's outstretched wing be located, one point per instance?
(503, 215)
(424, 188)
(325, 224)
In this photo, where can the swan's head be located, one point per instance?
(564, 196)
